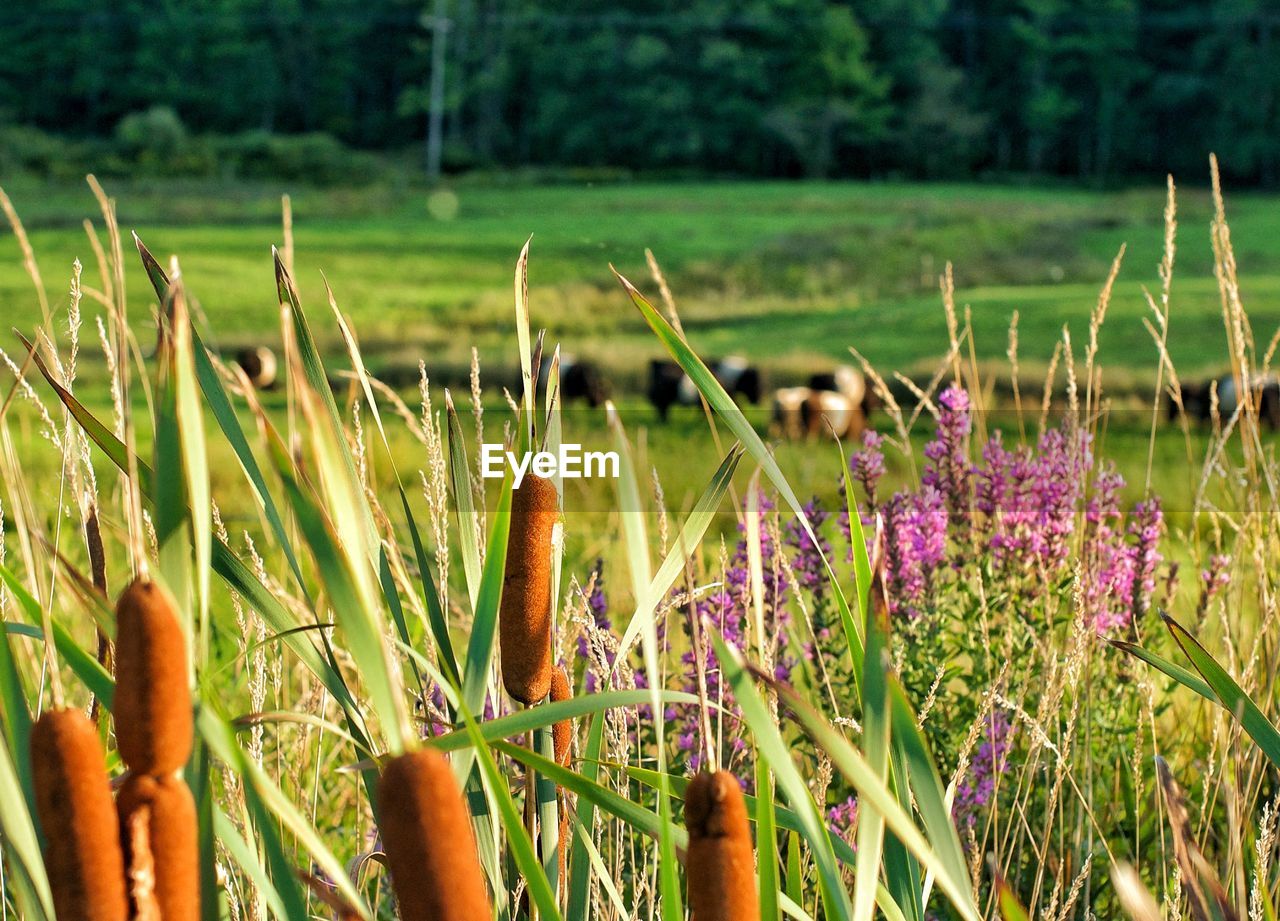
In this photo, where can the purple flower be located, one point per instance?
(915, 546)
(807, 560)
(990, 760)
(1147, 526)
(1216, 577)
(948, 468)
(866, 465)
(842, 818)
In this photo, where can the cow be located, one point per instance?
(1197, 400)
(259, 365)
(670, 386)
(833, 404)
(580, 379)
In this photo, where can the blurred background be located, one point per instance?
(802, 170)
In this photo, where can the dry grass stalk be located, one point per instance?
(153, 700)
(426, 833)
(721, 865)
(158, 815)
(73, 800)
(525, 616)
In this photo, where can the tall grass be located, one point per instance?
(914, 692)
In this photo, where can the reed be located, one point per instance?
(525, 615)
(73, 800)
(159, 832)
(721, 864)
(426, 833)
(152, 700)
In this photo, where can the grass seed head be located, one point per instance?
(159, 814)
(562, 732)
(721, 865)
(153, 700)
(426, 833)
(73, 800)
(525, 617)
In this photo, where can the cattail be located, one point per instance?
(426, 833)
(73, 800)
(562, 732)
(161, 846)
(525, 622)
(721, 866)
(153, 700)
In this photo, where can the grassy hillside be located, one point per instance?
(790, 273)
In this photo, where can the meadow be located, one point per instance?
(1009, 656)
(790, 274)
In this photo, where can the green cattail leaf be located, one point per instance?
(872, 792)
(766, 843)
(774, 749)
(247, 859)
(347, 583)
(539, 888)
(269, 801)
(225, 563)
(579, 872)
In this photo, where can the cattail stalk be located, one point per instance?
(73, 801)
(525, 616)
(721, 866)
(161, 843)
(426, 833)
(562, 732)
(153, 699)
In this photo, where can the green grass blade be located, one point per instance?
(484, 625)
(1189, 680)
(468, 520)
(16, 719)
(690, 536)
(1239, 704)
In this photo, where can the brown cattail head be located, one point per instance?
(721, 866)
(562, 732)
(426, 833)
(161, 846)
(525, 621)
(153, 700)
(73, 801)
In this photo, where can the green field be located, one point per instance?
(792, 274)
(789, 273)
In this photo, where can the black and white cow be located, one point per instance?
(580, 379)
(670, 386)
(1197, 400)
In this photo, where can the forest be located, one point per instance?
(1096, 90)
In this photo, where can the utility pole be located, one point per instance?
(439, 24)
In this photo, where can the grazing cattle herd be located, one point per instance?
(832, 404)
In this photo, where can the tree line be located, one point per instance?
(1091, 89)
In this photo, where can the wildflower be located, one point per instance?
(948, 468)
(843, 820)
(990, 761)
(866, 465)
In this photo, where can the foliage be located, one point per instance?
(1096, 89)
